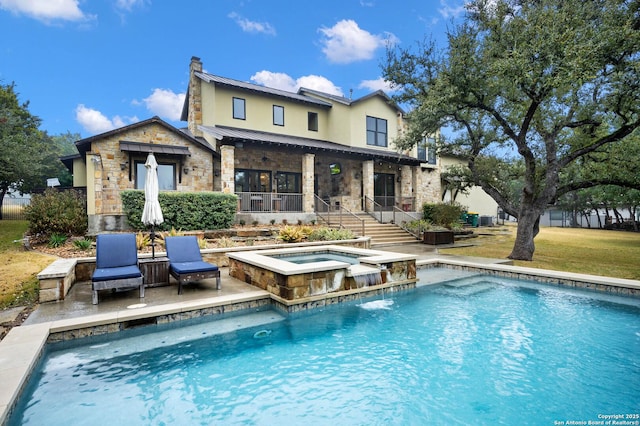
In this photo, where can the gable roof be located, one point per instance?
(348, 101)
(84, 145)
(233, 135)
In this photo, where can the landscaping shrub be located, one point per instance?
(330, 234)
(443, 214)
(188, 211)
(291, 234)
(57, 212)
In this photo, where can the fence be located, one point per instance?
(13, 208)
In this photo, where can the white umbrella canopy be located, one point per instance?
(152, 213)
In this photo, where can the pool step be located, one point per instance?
(177, 335)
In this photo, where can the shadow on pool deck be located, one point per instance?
(78, 301)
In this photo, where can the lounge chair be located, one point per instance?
(116, 264)
(185, 261)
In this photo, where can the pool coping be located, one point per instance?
(22, 347)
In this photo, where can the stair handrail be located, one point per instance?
(368, 200)
(318, 213)
(349, 212)
(403, 218)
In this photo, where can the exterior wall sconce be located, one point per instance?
(399, 178)
(264, 159)
(356, 175)
(186, 170)
(123, 166)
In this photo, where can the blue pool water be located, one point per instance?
(318, 257)
(473, 351)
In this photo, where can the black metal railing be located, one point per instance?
(269, 202)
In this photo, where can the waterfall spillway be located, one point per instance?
(365, 276)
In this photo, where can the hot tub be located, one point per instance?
(295, 274)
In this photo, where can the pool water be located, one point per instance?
(477, 350)
(318, 257)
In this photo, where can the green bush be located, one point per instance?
(57, 212)
(187, 211)
(330, 234)
(443, 214)
(83, 244)
(57, 240)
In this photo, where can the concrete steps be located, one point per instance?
(380, 233)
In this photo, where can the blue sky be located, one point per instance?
(88, 66)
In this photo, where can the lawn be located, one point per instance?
(18, 267)
(588, 251)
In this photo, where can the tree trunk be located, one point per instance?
(528, 228)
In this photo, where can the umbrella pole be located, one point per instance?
(153, 241)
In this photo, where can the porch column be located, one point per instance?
(406, 186)
(367, 179)
(227, 168)
(308, 172)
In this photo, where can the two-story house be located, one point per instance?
(286, 155)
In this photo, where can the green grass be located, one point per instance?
(587, 251)
(19, 285)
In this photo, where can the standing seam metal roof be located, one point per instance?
(221, 132)
(210, 78)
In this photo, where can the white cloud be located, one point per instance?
(165, 103)
(346, 42)
(281, 81)
(96, 122)
(128, 5)
(379, 84)
(252, 26)
(449, 11)
(46, 10)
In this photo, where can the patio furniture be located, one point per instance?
(116, 264)
(185, 261)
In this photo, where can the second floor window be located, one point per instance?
(376, 131)
(427, 150)
(312, 118)
(278, 115)
(239, 110)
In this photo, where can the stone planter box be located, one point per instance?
(437, 237)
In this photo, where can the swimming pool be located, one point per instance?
(477, 350)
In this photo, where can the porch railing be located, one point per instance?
(269, 202)
(337, 215)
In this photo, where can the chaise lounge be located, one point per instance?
(185, 261)
(116, 264)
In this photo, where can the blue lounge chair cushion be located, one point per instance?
(192, 267)
(183, 249)
(116, 273)
(116, 250)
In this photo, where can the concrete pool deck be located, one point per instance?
(22, 348)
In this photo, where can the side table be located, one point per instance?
(155, 271)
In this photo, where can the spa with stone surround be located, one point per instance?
(312, 273)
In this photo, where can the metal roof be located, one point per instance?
(210, 78)
(154, 147)
(243, 135)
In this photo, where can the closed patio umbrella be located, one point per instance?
(152, 213)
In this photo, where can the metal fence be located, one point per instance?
(269, 202)
(13, 208)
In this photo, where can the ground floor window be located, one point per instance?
(289, 182)
(166, 176)
(252, 180)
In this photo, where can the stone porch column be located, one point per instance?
(367, 181)
(308, 172)
(406, 184)
(227, 168)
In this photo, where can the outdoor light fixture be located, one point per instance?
(186, 170)
(123, 166)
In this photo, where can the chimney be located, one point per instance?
(194, 118)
